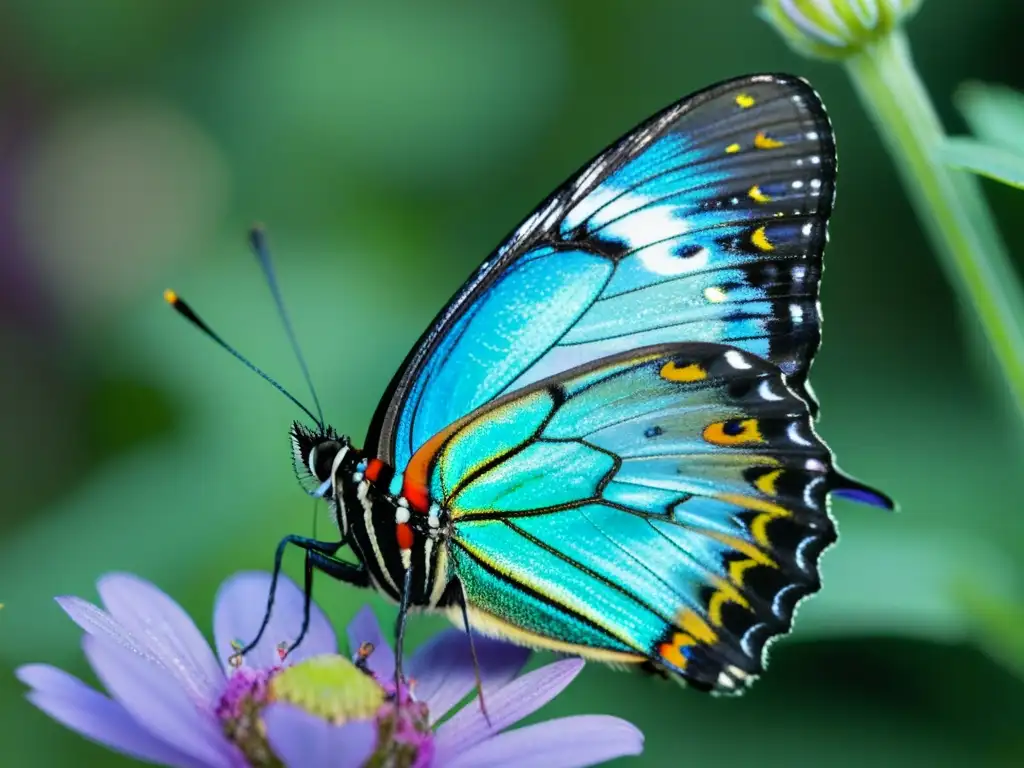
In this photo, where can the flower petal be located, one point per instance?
(522, 697)
(365, 629)
(97, 622)
(567, 742)
(303, 740)
(238, 612)
(153, 698)
(75, 705)
(155, 619)
(444, 674)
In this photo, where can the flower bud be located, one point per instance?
(834, 29)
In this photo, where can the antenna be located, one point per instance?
(186, 311)
(258, 241)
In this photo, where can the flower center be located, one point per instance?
(239, 709)
(404, 736)
(333, 689)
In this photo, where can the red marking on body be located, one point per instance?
(403, 532)
(417, 496)
(373, 470)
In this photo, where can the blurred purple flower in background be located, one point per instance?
(173, 703)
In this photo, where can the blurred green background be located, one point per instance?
(388, 147)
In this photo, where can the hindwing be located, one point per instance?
(665, 506)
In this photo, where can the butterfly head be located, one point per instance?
(318, 455)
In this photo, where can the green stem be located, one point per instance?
(949, 202)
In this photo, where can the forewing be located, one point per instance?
(706, 223)
(666, 506)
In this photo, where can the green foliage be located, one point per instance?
(1004, 165)
(997, 623)
(994, 113)
(951, 206)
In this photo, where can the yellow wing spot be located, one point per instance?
(753, 504)
(742, 546)
(759, 525)
(715, 294)
(732, 148)
(697, 628)
(745, 101)
(766, 482)
(738, 568)
(763, 141)
(691, 372)
(740, 432)
(725, 593)
(758, 196)
(761, 241)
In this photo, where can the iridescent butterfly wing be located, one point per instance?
(705, 224)
(665, 506)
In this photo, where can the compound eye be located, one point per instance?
(321, 459)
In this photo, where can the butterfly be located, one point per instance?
(604, 443)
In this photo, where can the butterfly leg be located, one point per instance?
(403, 612)
(472, 652)
(319, 556)
(357, 575)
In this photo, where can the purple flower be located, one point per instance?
(441, 674)
(173, 703)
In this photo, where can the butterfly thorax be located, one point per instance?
(388, 532)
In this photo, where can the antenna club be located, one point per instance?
(171, 297)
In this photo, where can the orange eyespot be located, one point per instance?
(672, 654)
(733, 432)
(691, 372)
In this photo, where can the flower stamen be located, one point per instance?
(239, 711)
(363, 657)
(235, 660)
